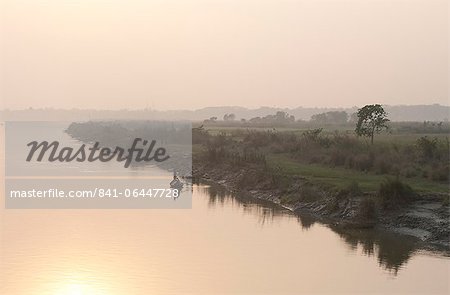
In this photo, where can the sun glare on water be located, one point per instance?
(80, 289)
(79, 283)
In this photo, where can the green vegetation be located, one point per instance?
(331, 159)
(393, 193)
(327, 156)
(341, 178)
(330, 121)
(371, 119)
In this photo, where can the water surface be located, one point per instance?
(223, 245)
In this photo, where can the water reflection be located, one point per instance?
(391, 250)
(225, 244)
(213, 248)
(265, 211)
(307, 221)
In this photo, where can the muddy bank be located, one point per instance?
(425, 218)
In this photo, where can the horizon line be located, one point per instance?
(208, 107)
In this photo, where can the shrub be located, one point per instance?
(362, 162)
(313, 135)
(393, 192)
(338, 157)
(382, 165)
(352, 190)
(426, 147)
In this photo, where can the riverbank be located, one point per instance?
(425, 217)
(401, 187)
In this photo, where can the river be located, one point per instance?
(224, 245)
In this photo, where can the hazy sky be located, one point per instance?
(189, 54)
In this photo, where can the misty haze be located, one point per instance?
(304, 147)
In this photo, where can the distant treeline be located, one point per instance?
(123, 133)
(333, 119)
(409, 113)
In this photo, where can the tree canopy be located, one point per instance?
(371, 119)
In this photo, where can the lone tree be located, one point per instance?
(371, 119)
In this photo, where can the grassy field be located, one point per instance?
(341, 178)
(336, 158)
(392, 137)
